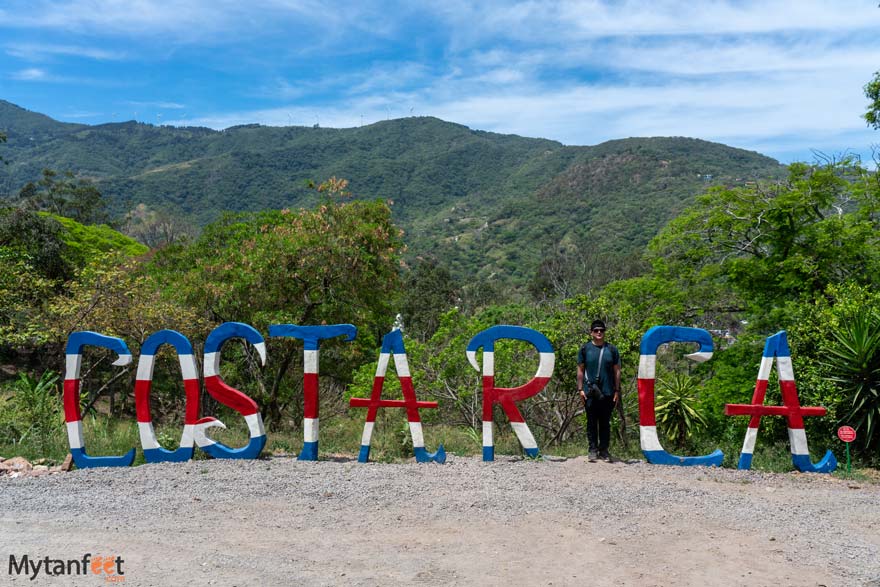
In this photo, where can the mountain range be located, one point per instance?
(486, 205)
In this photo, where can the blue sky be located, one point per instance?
(779, 77)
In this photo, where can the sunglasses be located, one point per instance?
(598, 330)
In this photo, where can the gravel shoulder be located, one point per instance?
(512, 522)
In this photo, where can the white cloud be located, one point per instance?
(217, 21)
(31, 74)
(81, 114)
(114, 16)
(387, 76)
(36, 74)
(581, 114)
(690, 56)
(718, 16)
(502, 75)
(37, 52)
(285, 90)
(467, 24)
(564, 21)
(156, 104)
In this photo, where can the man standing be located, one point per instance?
(598, 381)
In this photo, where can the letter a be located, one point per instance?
(392, 344)
(777, 347)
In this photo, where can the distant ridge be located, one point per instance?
(485, 204)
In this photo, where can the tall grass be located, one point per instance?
(340, 437)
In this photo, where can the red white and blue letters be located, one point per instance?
(651, 341)
(72, 415)
(392, 345)
(777, 348)
(153, 452)
(195, 429)
(311, 337)
(229, 396)
(508, 397)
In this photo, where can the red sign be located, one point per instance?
(846, 433)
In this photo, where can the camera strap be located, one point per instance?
(598, 366)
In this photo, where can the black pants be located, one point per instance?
(599, 423)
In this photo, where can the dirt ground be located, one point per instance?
(513, 522)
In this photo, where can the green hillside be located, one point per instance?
(485, 204)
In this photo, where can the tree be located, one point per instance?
(33, 267)
(37, 240)
(336, 263)
(113, 295)
(872, 92)
(429, 291)
(42, 258)
(23, 291)
(2, 140)
(782, 242)
(65, 195)
(156, 228)
(567, 271)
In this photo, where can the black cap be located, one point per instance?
(597, 324)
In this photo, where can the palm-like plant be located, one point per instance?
(677, 407)
(852, 360)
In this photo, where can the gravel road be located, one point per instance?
(512, 522)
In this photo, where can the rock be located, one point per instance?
(68, 463)
(16, 464)
(41, 467)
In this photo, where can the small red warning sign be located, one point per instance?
(846, 433)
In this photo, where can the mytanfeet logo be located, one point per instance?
(108, 567)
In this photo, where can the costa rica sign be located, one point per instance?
(196, 429)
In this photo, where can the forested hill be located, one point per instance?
(484, 203)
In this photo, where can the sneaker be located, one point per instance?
(605, 456)
(593, 456)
